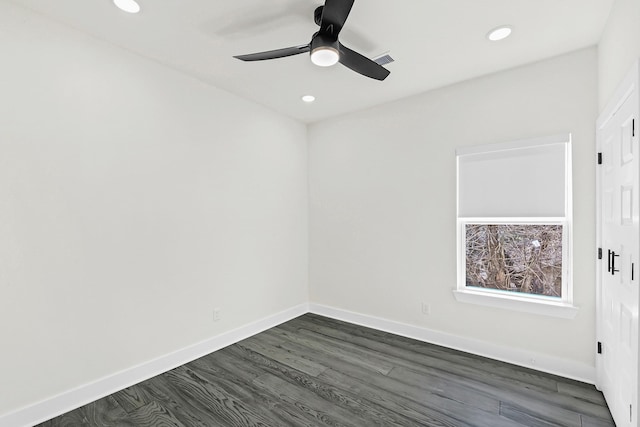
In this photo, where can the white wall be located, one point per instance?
(133, 200)
(383, 200)
(619, 47)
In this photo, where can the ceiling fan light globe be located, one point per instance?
(325, 56)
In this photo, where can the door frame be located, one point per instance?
(626, 89)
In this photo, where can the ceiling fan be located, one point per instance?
(325, 48)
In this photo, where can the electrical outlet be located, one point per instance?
(216, 314)
(426, 308)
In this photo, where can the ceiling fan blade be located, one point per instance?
(361, 64)
(273, 54)
(334, 15)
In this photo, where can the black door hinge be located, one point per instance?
(633, 127)
(599, 347)
(599, 253)
(599, 158)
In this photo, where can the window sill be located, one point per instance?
(522, 304)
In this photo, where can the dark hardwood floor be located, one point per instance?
(315, 371)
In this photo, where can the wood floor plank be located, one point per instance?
(579, 391)
(102, 412)
(315, 371)
(236, 360)
(325, 412)
(423, 407)
(432, 355)
(337, 397)
(238, 381)
(395, 398)
(466, 386)
(445, 388)
(132, 398)
(151, 415)
(386, 393)
(344, 371)
(204, 398)
(296, 361)
(419, 362)
(543, 403)
(588, 421)
(352, 355)
(163, 391)
(523, 416)
(222, 374)
(495, 385)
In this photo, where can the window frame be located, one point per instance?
(531, 303)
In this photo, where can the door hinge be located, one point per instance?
(599, 347)
(632, 268)
(599, 158)
(599, 253)
(633, 127)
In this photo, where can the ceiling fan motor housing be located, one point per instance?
(324, 50)
(324, 41)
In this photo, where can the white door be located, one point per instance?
(619, 239)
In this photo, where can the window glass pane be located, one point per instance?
(523, 258)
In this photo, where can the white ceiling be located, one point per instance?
(434, 43)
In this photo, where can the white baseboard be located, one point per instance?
(541, 362)
(72, 399)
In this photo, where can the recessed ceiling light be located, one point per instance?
(130, 6)
(308, 98)
(499, 33)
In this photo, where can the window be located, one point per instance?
(515, 257)
(514, 225)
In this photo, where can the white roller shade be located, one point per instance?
(519, 179)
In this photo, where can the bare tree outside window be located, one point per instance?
(524, 258)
